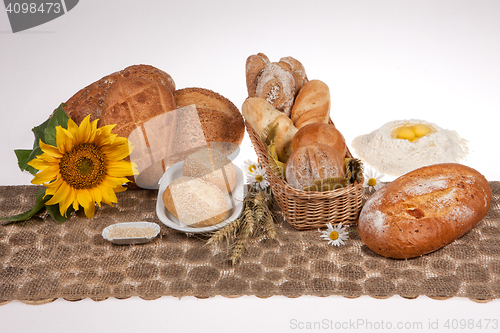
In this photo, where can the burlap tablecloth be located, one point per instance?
(42, 260)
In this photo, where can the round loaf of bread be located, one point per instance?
(424, 210)
(220, 119)
(320, 133)
(90, 100)
(212, 166)
(195, 202)
(313, 162)
(130, 102)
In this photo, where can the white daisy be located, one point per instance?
(258, 177)
(373, 179)
(250, 166)
(335, 235)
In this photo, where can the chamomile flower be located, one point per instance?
(250, 166)
(335, 235)
(373, 179)
(258, 178)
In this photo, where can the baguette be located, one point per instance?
(312, 104)
(424, 210)
(260, 114)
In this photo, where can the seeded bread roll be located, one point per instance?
(195, 202)
(320, 133)
(424, 210)
(212, 166)
(313, 162)
(277, 85)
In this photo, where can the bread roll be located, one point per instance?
(320, 133)
(298, 71)
(313, 162)
(260, 114)
(90, 100)
(212, 166)
(424, 210)
(195, 202)
(254, 67)
(277, 86)
(312, 104)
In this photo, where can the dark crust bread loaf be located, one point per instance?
(90, 99)
(220, 119)
(424, 210)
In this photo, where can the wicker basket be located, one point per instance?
(307, 210)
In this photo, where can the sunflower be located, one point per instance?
(85, 167)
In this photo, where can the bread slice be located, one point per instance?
(195, 202)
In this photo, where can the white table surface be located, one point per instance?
(383, 60)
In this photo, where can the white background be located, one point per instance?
(383, 60)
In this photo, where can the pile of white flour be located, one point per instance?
(396, 157)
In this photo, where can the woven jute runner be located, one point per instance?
(42, 260)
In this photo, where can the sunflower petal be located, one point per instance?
(61, 197)
(85, 200)
(46, 175)
(51, 150)
(64, 139)
(116, 152)
(96, 195)
(120, 169)
(39, 163)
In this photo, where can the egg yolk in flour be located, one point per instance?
(412, 132)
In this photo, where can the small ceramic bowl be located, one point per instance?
(107, 232)
(234, 199)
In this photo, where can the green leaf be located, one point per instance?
(23, 157)
(46, 132)
(39, 132)
(39, 205)
(59, 118)
(53, 211)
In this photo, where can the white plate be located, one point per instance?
(134, 240)
(234, 199)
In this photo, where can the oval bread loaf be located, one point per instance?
(312, 104)
(424, 210)
(320, 133)
(313, 162)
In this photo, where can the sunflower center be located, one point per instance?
(372, 182)
(259, 178)
(334, 235)
(83, 166)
